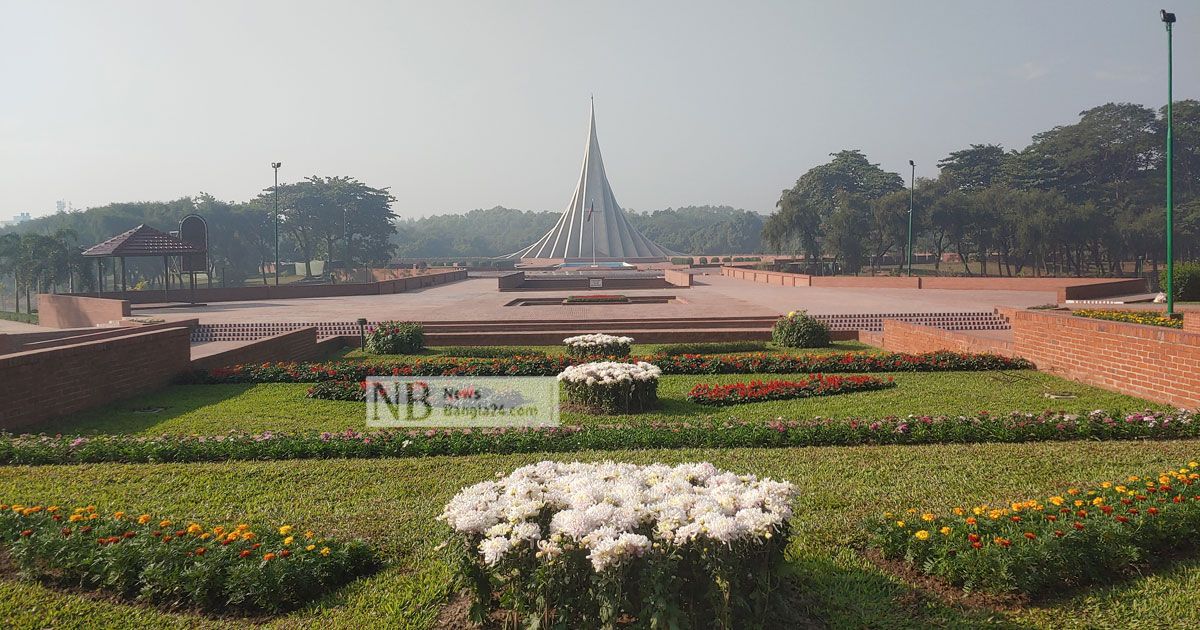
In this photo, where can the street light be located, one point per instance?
(276, 165)
(911, 181)
(1168, 20)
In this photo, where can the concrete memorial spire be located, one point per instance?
(593, 225)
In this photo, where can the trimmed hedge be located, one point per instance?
(1015, 427)
(396, 338)
(758, 391)
(850, 362)
(1187, 281)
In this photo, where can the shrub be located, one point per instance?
(28, 318)
(689, 546)
(175, 565)
(1186, 281)
(712, 347)
(596, 299)
(703, 260)
(598, 345)
(612, 388)
(1041, 545)
(982, 427)
(798, 329)
(758, 391)
(775, 363)
(1150, 318)
(681, 260)
(489, 352)
(396, 338)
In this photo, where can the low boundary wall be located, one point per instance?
(1153, 362)
(295, 345)
(1065, 288)
(98, 334)
(901, 336)
(1191, 321)
(78, 311)
(41, 385)
(288, 291)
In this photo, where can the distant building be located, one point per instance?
(16, 220)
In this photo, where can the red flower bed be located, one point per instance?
(758, 391)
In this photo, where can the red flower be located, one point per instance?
(976, 545)
(244, 554)
(1152, 511)
(1122, 519)
(1030, 535)
(1058, 533)
(1078, 525)
(27, 533)
(973, 537)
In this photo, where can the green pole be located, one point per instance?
(1170, 201)
(911, 182)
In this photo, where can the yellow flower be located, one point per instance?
(1193, 464)
(90, 509)
(945, 531)
(218, 530)
(1098, 501)
(308, 534)
(791, 313)
(247, 535)
(922, 534)
(288, 540)
(977, 511)
(959, 511)
(927, 517)
(1056, 500)
(52, 509)
(143, 519)
(1121, 488)
(285, 530)
(1134, 478)
(899, 523)
(194, 529)
(1072, 491)
(164, 523)
(1078, 503)
(75, 518)
(118, 515)
(310, 547)
(1106, 485)
(93, 516)
(888, 515)
(324, 551)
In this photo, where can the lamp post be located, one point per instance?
(911, 182)
(1168, 20)
(362, 334)
(276, 165)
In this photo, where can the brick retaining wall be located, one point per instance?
(295, 345)
(901, 336)
(1191, 321)
(76, 311)
(40, 385)
(1066, 288)
(1156, 363)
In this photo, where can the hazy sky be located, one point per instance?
(460, 105)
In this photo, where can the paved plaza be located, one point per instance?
(477, 299)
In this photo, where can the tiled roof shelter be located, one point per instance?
(142, 240)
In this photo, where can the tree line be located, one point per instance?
(330, 218)
(1082, 199)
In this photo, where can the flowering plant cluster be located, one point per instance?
(395, 338)
(758, 391)
(569, 543)
(179, 565)
(1078, 537)
(239, 445)
(798, 329)
(608, 387)
(762, 363)
(598, 345)
(1150, 318)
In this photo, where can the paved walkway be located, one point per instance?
(11, 327)
(714, 296)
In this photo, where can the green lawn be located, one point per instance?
(392, 504)
(212, 409)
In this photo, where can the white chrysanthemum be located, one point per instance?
(611, 510)
(596, 340)
(609, 372)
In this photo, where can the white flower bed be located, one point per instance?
(542, 530)
(598, 345)
(610, 387)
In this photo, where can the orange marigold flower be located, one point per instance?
(268, 556)
(143, 519)
(200, 551)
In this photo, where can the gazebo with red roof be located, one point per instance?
(140, 242)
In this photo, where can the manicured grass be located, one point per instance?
(392, 504)
(638, 349)
(212, 409)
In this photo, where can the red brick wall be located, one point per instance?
(1156, 363)
(1191, 321)
(1102, 289)
(901, 336)
(510, 281)
(874, 282)
(678, 278)
(296, 345)
(39, 385)
(71, 311)
(290, 291)
(97, 334)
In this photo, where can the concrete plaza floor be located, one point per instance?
(477, 299)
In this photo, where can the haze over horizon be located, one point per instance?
(457, 106)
